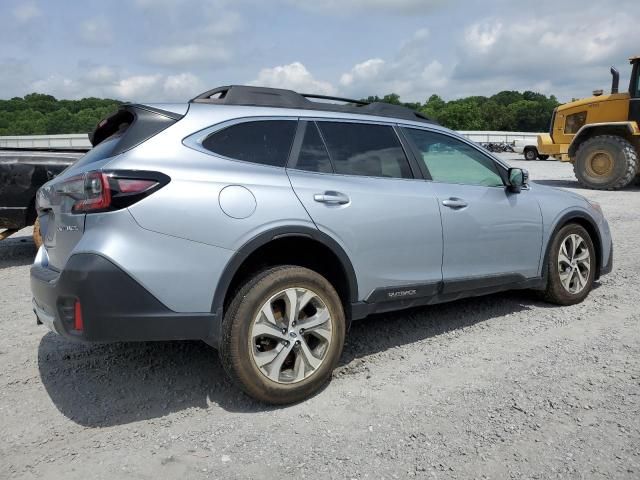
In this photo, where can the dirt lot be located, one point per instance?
(498, 387)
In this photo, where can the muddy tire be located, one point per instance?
(571, 266)
(283, 335)
(606, 162)
(37, 235)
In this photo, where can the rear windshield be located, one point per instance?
(100, 152)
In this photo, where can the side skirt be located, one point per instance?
(390, 299)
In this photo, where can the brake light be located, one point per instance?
(78, 322)
(105, 191)
(127, 185)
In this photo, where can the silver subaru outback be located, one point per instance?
(264, 221)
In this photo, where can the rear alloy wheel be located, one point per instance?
(606, 162)
(571, 266)
(283, 335)
(530, 154)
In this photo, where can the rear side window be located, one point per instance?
(365, 149)
(266, 142)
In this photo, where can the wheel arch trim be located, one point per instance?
(268, 236)
(582, 134)
(570, 217)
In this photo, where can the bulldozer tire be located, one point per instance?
(37, 236)
(606, 162)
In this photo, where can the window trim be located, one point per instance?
(195, 140)
(298, 139)
(296, 147)
(501, 168)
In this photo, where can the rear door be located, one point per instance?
(357, 184)
(491, 235)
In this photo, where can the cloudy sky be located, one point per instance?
(166, 50)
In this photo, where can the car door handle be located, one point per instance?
(454, 203)
(331, 198)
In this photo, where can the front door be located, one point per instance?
(491, 235)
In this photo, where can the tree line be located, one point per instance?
(40, 114)
(508, 111)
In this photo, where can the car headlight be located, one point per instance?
(596, 206)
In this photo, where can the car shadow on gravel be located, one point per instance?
(16, 252)
(574, 184)
(115, 384)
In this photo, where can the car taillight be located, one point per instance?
(96, 193)
(110, 190)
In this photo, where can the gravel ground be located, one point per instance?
(497, 387)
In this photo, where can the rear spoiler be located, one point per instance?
(135, 123)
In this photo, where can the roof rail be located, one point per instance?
(277, 97)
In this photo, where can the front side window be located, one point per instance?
(365, 149)
(450, 160)
(266, 142)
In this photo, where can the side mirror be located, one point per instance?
(518, 179)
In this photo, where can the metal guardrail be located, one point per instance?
(47, 142)
(81, 141)
(499, 137)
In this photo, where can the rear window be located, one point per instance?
(101, 151)
(266, 142)
(365, 149)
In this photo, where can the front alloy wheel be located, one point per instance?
(571, 266)
(574, 263)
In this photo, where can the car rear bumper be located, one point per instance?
(113, 305)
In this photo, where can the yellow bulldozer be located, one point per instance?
(600, 135)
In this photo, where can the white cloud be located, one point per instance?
(481, 37)
(349, 6)
(434, 75)
(96, 31)
(104, 81)
(412, 72)
(204, 40)
(56, 85)
(137, 86)
(26, 11)
(182, 86)
(364, 71)
(188, 54)
(100, 75)
(501, 53)
(294, 76)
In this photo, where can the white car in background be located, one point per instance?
(529, 148)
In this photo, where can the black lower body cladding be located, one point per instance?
(114, 306)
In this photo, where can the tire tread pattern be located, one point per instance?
(629, 154)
